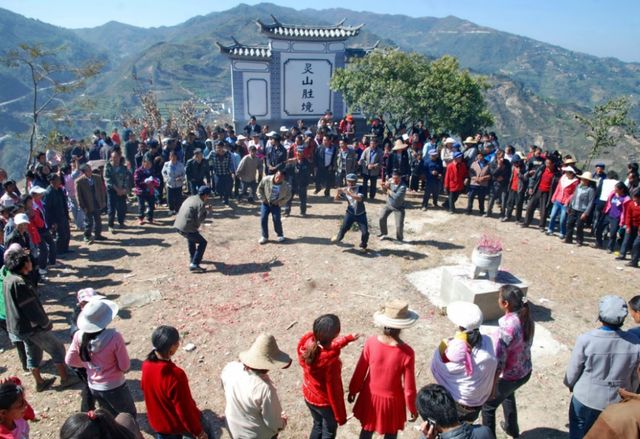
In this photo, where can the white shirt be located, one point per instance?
(473, 390)
(253, 409)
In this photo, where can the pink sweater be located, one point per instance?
(109, 359)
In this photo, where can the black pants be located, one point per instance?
(541, 199)
(369, 185)
(92, 222)
(611, 225)
(324, 179)
(498, 192)
(324, 422)
(575, 221)
(197, 246)
(505, 396)
(451, 201)
(514, 199)
(476, 191)
(62, 236)
(116, 207)
(431, 190)
(361, 220)
(48, 249)
(87, 401)
(301, 191)
(174, 198)
(414, 182)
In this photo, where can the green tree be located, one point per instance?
(454, 98)
(407, 87)
(607, 125)
(50, 79)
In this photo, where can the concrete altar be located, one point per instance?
(457, 283)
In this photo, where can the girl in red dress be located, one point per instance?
(384, 377)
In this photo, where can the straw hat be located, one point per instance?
(568, 169)
(450, 140)
(470, 140)
(396, 314)
(465, 315)
(96, 315)
(587, 176)
(264, 354)
(569, 162)
(399, 145)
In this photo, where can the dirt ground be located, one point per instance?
(282, 288)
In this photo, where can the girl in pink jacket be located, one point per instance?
(102, 352)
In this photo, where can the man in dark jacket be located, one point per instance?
(224, 170)
(433, 171)
(517, 188)
(371, 165)
(300, 182)
(500, 170)
(541, 187)
(27, 322)
(325, 165)
(191, 215)
(275, 156)
(356, 212)
(56, 213)
(197, 171)
(91, 196)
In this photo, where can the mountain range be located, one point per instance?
(536, 87)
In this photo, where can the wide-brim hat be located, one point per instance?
(264, 354)
(396, 314)
(398, 145)
(450, 140)
(96, 315)
(568, 169)
(87, 295)
(470, 140)
(587, 176)
(569, 162)
(465, 315)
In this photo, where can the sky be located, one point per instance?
(597, 27)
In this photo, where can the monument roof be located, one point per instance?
(280, 30)
(238, 50)
(359, 52)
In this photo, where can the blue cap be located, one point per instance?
(457, 155)
(600, 165)
(352, 177)
(457, 145)
(308, 133)
(433, 152)
(204, 190)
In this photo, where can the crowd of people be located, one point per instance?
(475, 373)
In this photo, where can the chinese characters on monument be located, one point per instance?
(306, 85)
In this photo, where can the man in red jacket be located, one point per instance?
(455, 180)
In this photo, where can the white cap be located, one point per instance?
(37, 190)
(21, 218)
(283, 129)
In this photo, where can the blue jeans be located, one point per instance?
(38, 342)
(224, 184)
(118, 400)
(197, 245)
(150, 203)
(361, 220)
(324, 422)
(506, 396)
(77, 213)
(248, 187)
(116, 206)
(265, 210)
(581, 418)
(558, 209)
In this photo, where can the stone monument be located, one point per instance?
(288, 79)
